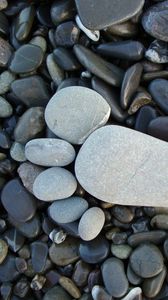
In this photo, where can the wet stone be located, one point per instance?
(24, 22)
(40, 42)
(8, 271)
(70, 287)
(125, 29)
(140, 99)
(3, 250)
(157, 52)
(39, 252)
(81, 272)
(6, 78)
(43, 15)
(145, 115)
(152, 286)
(5, 52)
(155, 236)
(158, 128)
(14, 239)
(62, 11)
(57, 293)
(67, 34)
(66, 59)
(29, 229)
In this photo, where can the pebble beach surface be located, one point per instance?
(83, 149)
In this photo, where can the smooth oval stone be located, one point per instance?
(54, 184)
(64, 114)
(81, 273)
(66, 59)
(57, 293)
(40, 42)
(5, 52)
(98, 66)
(94, 251)
(121, 251)
(116, 283)
(160, 221)
(49, 152)
(122, 214)
(14, 196)
(91, 223)
(67, 34)
(67, 210)
(8, 271)
(72, 81)
(159, 91)
(30, 124)
(155, 237)
(14, 239)
(133, 74)
(65, 253)
(6, 78)
(62, 10)
(157, 52)
(56, 73)
(26, 59)
(126, 29)
(154, 21)
(44, 15)
(152, 286)
(130, 50)
(155, 75)
(145, 115)
(94, 15)
(135, 293)
(159, 128)
(133, 278)
(29, 229)
(70, 287)
(6, 109)
(17, 152)
(99, 293)
(37, 93)
(146, 261)
(24, 22)
(39, 252)
(129, 184)
(3, 250)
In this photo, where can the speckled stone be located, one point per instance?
(72, 106)
(70, 287)
(107, 180)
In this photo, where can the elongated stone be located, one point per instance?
(159, 91)
(155, 237)
(24, 22)
(128, 184)
(152, 286)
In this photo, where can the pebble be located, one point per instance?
(154, 236)
(125, 29)
(81, 273)
(21, 264)
(6, 78)
(158, 128)
(70, 287)
(145, 115)
(3, 4)
(122, 214)
(3, 250)
(24, 22)
(129, 50)
(54, 184)
(5, 141)
(67, 210)
(146, 261)
(91, 223)
(37, 93)
(98, 293)
(17, 152)
(158, 89)
(94, 251)
(62, 11)
(40, 42)
(67, 34)
(79, 106)
(133, 278)
(121, 251)
(39, 252)
(154, 21)
(6, 290)
(65, 253)
(106, 71)
(8, 271)
(133, 74)
(116, 283)
(135, 293)
(5, 52)
(6, 109)
(160, 221)
(157, 52)
(56, 73)
(90, 175)
(21, 288)
(49, 152)
(66, 59)
(4, 24)
(56, 293)
(94, 35)
(95, 16)
(14, 192)
(30, 125)
(140, 99)
(38, 282)
(152, 286)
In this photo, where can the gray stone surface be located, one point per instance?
(17, 152)
(5, 108)
(74, 106)
(56, 73)
(54, 184)
(120, 165)
(6, 78)
(67, 210)
(91, 223)
(49, 152)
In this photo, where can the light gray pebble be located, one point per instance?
(17, 152)
(40, 42)
(6, 78)
(121, 251)
(6, 109)
(56, 73)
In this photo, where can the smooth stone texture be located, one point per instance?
(160, 221)
(146, 260)
(65, 253)
(44, 15)
(70, 287)
(159, 128)
(155, 75)
(98, 293)
(30, 124)
(122, 214)
(145, 115)
(94, 251)
(67, 34)
(62, 10)
(39, 252)
(24, 22)
(4, 24)
(80, 274)
(49, 152)
(66, 59)
(139, 100)
(5, 52)
(133, 278)
(114, 277)
(40, 42)
(67, 210)
(72, 81)
(98, 66)
(3, 250)
(134, 294)
(82, 106)
(26, 59)
(132, 75)
(6, 109)
(159, 91)
(5, 141)
(91, 223)
(14, 196)
(6, 78)
(121, 251)
(29, 229)
(56, 73)
(37, 93)
(165, 247)
(154, 21)
(125, 29)
(156, 237)
(57, 293)
(8, 271)
(14, 239)
(152, 286)
(17, 152)
(157, 52)
(129, 50)
(129, 184)
(3, 4)
(97, 16)
(54, 184)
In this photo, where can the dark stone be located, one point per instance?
(4, 24)
(14, 197)
(157, 52)
(71, 228)
(156, 237)
(7, 166)
(5, 141)
(132, 277)
(57, 293)
(155, 75)
(66, 59)
(6, 290)
(126, 29)
(14, 239)
(152, 286)
(122, 213)
(166, 248)
(159, 91)
(43, 14)
(39, 252)
(52, 278)
(29, 229)
(67, 34)
(159, 128)
(21, 264)
(24, 22)
(145, 115)
(8, 271)
(15, 7)
(81, 272)
(5, 52)
(62, 10)
(72, 81)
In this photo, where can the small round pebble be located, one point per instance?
(121, 251)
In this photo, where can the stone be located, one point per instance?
(67, 210)
(65, 253)
(160, 221)
(29, 229)
(98, 66)
(67, 34)
(66, 59)
(145, 115)
(44, 15)
(70, 287)
(14, 239)
(147, 77)
(56, 73)
(5, 52)
(50, 152)
(3, 4)
(21, 288)
(154, 236)
(3, 250)
(5, 141)
(91, 223)
(125, 29)
(133, 278)
(72, 81)
(17, 152)
(81, 273)
(158, 89)
(79, 107)
(121, 251)
(6, 109)
(157, 52)
(158, 128)
(94, 278)
(140, 99)
(28, 173)
(154, 21)
(115, 282)
(6, 78)
(6, 290)
(129, 184)
(146, 261)
(8, 271)
(98, 293)
(152, 286)
(165, 247)
(24, 22)
(95, 16)
(39, 252)
(62, 11)
(122, 213)
(94, 251)
(56, 293)
(40, 42)
(14, 196)
(4, 24)
(135, 293)
(54, 184)
(37, 93)
(26, 59)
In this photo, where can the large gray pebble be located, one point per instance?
(74, 112)
(5, 108)
(67, 210)
(54, 184)
(49, 152)
(91, 223)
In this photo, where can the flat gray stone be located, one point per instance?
(49, 152)
(72, 106)
(67, 210)
(54, 184)
(120, 165)
(6, 109)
